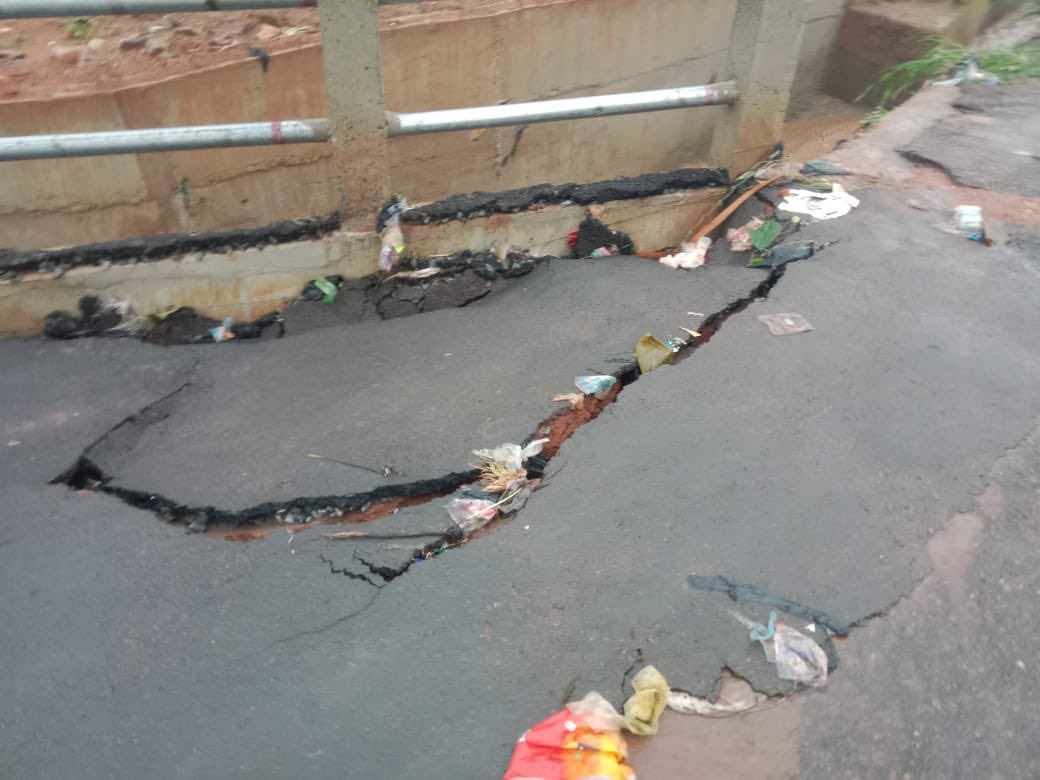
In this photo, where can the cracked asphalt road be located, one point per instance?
(819, 467)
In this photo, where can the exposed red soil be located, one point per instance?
(40, 58)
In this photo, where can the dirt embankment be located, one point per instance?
(41, 58)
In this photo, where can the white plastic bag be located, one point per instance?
(512, 456)
(820, 205)
(798, 658)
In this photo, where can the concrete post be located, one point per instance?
(354, 83)
(763, 55)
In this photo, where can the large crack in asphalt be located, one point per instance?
(87, 475)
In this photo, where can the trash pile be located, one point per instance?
(594, 239)
(505, 485)
(584, 741)
(108, 316)
(766, 234)
(98, 316)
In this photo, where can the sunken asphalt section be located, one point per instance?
(810, 466)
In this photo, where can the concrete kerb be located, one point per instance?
(242, 284)
(247, 283)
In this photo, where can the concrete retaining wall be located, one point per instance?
(245, 284)
(558, 49)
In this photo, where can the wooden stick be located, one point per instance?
(723, 215)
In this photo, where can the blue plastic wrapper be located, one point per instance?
(597, 385)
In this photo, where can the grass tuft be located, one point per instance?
(941, 56)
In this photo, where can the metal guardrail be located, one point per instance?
(359, 123)
(302, 131)
(558, 110)
(27, 9)
(163, 139)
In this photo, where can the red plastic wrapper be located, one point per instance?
(580, 742)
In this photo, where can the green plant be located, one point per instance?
(78, 27)
(873, 116)
(941, 56)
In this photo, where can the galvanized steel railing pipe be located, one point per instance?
(24, 9)
(556, 110)
(302, 131)
(163, 139)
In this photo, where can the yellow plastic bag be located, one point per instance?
(644, 707)
(651, 353)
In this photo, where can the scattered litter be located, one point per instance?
(644, 707)
(695, 313)
(783, 254)
(511, 456)
(797, 657)
(692, 255)
(739, 238)
(576, 400)
(968, 71)
(387, 471)
(505, 487)
(598, 385)
(223, 331)
(328, 288)
(735, 696)
(324, 288)
(184, 325)
(761, 237)
(652, 353)
(471, 514)
(820, 205)
(422, 273)
(785, 324)
(593, 235)
(823, 168)
(605, 251)
(98, 316)
(580, 742)
(725, 214)
(968, 222)
(389, 224)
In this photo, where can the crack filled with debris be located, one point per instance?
(302, 512)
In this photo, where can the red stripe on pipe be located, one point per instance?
(276, 133)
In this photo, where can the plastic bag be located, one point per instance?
(783, 254)
(512, 456)
(597, 385)
(393, 246)
(222, 332)
(652, 353)
(580, 742)
(328, 289)
(739, 238)
(692, 255)
(470, 513)
(820, 205)
(765, 234)
(515, 496)
(735, 696)
(644, 707)
(797, 657)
